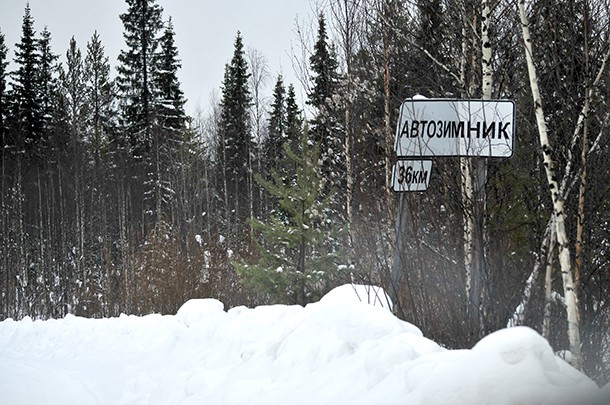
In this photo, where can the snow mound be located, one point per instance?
(339, 350)
(356, 293)
(510, 366)
(196, 310)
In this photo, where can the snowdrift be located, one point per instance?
(337, 351)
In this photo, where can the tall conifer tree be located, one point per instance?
(47, 82)
(100, 91)
(26, 103)
(137, 80)
(170, 96)
(235, 138)
(137, 71)
(3, 91)
(325, 127)
(276, 132)
(73, 83)
(294, 119)
(170, 114)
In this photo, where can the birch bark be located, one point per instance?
(571, 299)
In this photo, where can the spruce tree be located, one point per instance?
(100, 96)
(294, 129)
(284, 128)
(299, 261)
(47, 82)
(325, 126)
(294, 119)
(3, 91)
(324, 67)
(98, 140)
(234, 146)
(171, 100)
(431, 34)
(137, 79)
(25, 101)
(137, 72)
(73, 84)
(276, 129)
(171, 117)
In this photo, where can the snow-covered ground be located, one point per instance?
(337, 351)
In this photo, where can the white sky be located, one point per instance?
(205, 33)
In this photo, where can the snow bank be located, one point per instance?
(340, 350)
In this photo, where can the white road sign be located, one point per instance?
(411, 175)
(439, 127)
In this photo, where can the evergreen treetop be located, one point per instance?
(234, 158)
(73, 82)
(47, 78)
(326, 127)
(137, 69)
(100, 93)
(276, 132)
(26, 103)
(236, 96)
(171, 97)
(294, 119)
(324, 67)
(3, 90)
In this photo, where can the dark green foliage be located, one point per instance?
(138, 71)
(4, 105)
(152, 105)
(47, 80)
(431, 34)
(298, 246)
(170, 104)
(324, 67)
(26, 105)
(325, 125)
(294, 119)
(277, 128)
(234, 146)
(73, 89)
(100, 91)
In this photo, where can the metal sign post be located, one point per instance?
(429, 128)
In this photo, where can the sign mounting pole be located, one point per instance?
(472, 129)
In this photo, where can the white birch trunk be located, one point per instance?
(348, 159)
(547, 247)
(466, 183)
(548, 284)
(387, 124)
(486, 50)
(467, 197)
(558, 202)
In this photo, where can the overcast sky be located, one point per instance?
(205, 33)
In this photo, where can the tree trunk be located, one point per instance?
(571, 299)
(578, 260)
(548, 283)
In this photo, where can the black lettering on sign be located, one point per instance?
(502, 128)
(405, 129)
(410, 176)
(455, 129)
(489, 130)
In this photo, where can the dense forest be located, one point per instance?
(113, 200)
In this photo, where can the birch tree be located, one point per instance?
(570, 294)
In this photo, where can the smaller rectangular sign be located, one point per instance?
(411, 175)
